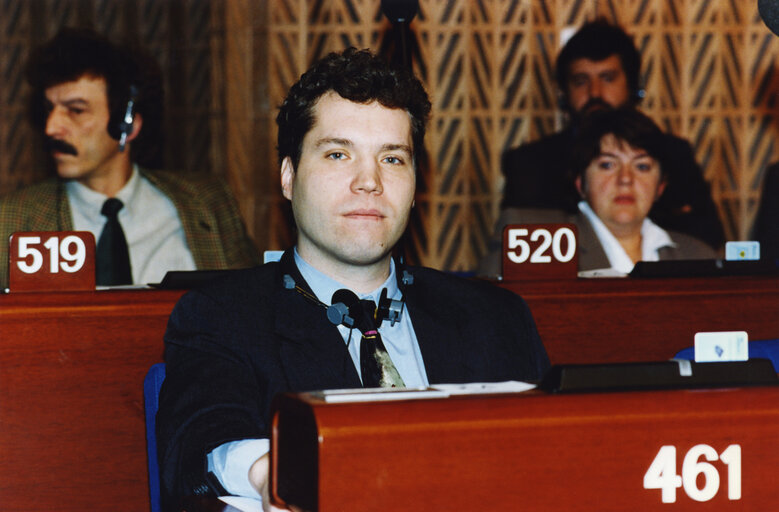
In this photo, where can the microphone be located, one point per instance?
(340, 312)
(400, 11)
(769, 12)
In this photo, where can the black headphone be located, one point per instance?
(120, 125)
(342, 310)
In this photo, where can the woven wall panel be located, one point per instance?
(709, 72)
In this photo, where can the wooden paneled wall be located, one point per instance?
(709, 72)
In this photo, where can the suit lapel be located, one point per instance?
(312, 350)
(440, 340)
(51, 209)
(591, 253)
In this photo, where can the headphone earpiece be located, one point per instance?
(122, 127)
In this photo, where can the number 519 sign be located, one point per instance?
(539, 251)
(52, 260)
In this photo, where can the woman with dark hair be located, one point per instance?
(615, 165)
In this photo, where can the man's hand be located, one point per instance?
(259, 477)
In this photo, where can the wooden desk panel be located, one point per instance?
(71, 397)
(616, 320)
(524, 452)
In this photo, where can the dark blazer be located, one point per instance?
(232, 346)
(209, 215)
(591, 253)
(766, 227)
(537, 176)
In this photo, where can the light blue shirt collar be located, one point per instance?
(324, 286)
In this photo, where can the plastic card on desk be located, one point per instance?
(712, 347)
(748, 250)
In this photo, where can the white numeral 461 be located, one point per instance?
(662, 472)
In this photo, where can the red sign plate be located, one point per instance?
(51, 261)
(540, 251)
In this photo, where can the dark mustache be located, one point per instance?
(60, 146)
(595, 102)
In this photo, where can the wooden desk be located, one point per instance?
(71, 397)
(526, 451)
(615, 320)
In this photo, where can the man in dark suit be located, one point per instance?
(351, 133)
(598, 68)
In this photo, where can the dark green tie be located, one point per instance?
(376, 366)
(112, 265)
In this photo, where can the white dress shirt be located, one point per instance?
(230, 462)
(150, 221)
(653, 238)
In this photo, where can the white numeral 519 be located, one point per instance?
(71, 250)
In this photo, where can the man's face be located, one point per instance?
(621, 184)
(596, 84)
(76, 127)
(354, 186)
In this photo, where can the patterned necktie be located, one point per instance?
(112, 266)
(376, 366)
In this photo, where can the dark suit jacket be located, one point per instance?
(591, 253)
(232, 346)
(766, 228)
(215, 232)
(538, 176)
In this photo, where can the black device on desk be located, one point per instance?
(186, 279)
(674, 374)
(704, 268)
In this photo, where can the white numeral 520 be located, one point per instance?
(517, 240)
(662, 472)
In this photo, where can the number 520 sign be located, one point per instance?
(52, 260)
(539, 251)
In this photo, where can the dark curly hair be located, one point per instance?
(626, 124)
(358, 76)
(77, 52)
(598, 40)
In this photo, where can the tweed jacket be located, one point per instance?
(591, 253)
(215, 233)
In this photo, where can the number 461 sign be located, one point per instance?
(52, 260)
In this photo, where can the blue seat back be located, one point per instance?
(763, 349)
(151, 394)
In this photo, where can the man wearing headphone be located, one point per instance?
(599, 67)
(350, 143)
(99, 107)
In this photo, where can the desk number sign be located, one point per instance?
(51, 261)
(539, 251)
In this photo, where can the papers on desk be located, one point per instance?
(435, 391)
(486, 388)
(243, 504)
(601, 272)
